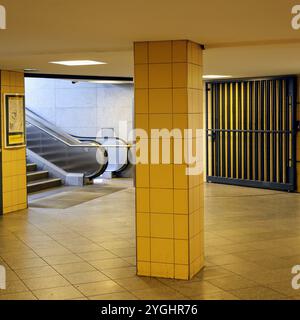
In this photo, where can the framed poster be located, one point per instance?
(14, 120)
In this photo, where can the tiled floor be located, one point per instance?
(88, 251)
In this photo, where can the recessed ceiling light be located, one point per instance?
(215, 76)
(72, 63)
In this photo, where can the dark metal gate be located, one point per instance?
(251, 132)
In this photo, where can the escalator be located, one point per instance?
(62, 155)
(118, 151)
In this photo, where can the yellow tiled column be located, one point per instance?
(14, 192)
(169, 203)
(298, 136)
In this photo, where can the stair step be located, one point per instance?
(31, 167)
(43, 184)
(37, 175)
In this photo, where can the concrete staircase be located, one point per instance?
(40, 180)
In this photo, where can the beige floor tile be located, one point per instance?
(139, 283)
(124, 252)
(110, 264)
(213, 272)
(46, 282)
(115, 296)
(14, 287)
(120, 273)
(86, 277)
(64, 259)
(77, 267)
(225, 259)
(97, 255)
(158, 294)
(257, 293)
(216, 296)
(27, 263)
(285, 288)
(18, 296)
(45, 252)
(232, 283)
(99, 288)
(117, 245)
(60, 293)
(37, 272)
(196, 288)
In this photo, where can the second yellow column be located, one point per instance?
(169, 200)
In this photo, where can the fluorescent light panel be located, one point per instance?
(110, 81)
(215, 76)
(73, 63)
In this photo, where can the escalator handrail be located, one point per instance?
(34, 122)
(92, 144)
(126, 145)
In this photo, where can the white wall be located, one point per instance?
(83, 108)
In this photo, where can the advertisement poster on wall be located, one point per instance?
(14, 120)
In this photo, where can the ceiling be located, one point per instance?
(242, 38)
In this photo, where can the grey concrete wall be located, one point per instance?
(83, 108)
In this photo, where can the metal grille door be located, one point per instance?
(251, 132)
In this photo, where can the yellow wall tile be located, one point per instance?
(141, 101)
(160, 52)
(180, 177)
(161, 200)
(162, 225)
(194, 53)
(162, 270)
(143, 268)
(142, 121)
(160, 101)
(5, 78)
(143, 248)
(143, 224)
(196, 222)
(181, 252)
(162, 250)
(141, 76)
(141, 52)
(195, 121)
(180, 121)
(180, 75)
(161, 149)
(298, 147)
(194, 81)
(180, 51)
(182, 272)
(196, 248)
(181, 201)
(181, 223)
(160, 121)
(142, 175)
(160, 75)
(142, 200)
(180, 100)
(298, 176)
(161, 176)
(196, 266)
(195, 98)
